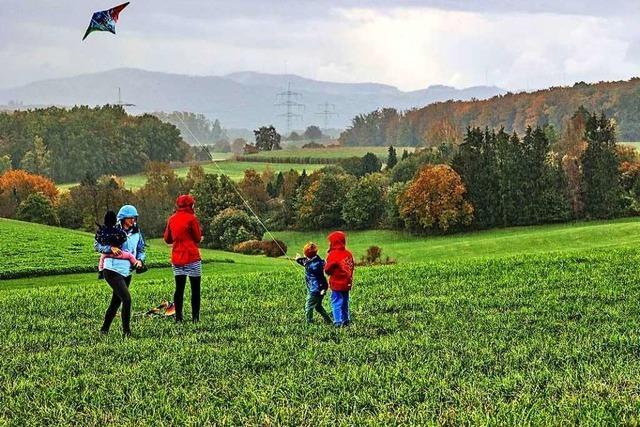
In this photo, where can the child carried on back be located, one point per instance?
(110, 235)
(316, 282)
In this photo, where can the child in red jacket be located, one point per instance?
(184, 234)
(339, 268)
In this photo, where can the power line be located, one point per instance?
(327, 110)
(288, 100)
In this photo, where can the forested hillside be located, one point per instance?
(67, 144)
(447, 121)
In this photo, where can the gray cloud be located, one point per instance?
(514, 44)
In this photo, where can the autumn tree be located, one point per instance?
(16, 185)
(254, 190)
(442, 132)
(435, 200)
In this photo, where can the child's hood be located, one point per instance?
(337, 240)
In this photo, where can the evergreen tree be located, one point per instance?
(405, 154)
(600, 163)
(392, 158)
(370, 164)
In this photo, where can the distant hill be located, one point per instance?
(619, 100)
(238, 100)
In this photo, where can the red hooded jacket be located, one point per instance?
(183, 231)
(340, 263)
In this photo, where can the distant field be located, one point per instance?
(60, 250)
(332, 153)
(635, 145)
(34, 249)
(407, 248)
(235, 170)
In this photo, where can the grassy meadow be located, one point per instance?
(331, 153)
(231, 168)
(520, 326)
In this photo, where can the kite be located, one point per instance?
(105, 20)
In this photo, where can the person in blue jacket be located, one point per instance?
(117, 272)
(316, 282)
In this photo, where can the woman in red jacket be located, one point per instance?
(184, 234)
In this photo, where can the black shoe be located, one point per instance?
(126, 334)
(196, 320)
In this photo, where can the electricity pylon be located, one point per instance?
(289, 100)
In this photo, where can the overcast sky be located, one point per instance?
(409, 44)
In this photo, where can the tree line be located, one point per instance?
(66, 144)
(491, 179)
(448, 121)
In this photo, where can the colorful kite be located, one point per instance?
(105, 20)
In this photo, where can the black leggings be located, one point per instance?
(121, 295)
(178, 296)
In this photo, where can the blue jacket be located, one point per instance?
(134, 244)
(314, 274)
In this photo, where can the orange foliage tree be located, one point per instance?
(16, 185)
(435, 200)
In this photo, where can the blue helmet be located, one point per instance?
(127, 211)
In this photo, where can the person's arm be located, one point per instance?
(330, 266)
(125, 255)
(103, 249)
(302, 261)
(168, 238)
(196, 231)
(140, 249)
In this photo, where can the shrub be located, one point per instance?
(37, 208)
(274, 248)
(250, 247)
(230, 227)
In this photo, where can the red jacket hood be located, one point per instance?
(185, 203)
(337, 241)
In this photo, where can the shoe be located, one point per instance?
(126, 334)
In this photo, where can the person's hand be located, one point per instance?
(322, 292)
(115, 250)
(138, 264)
(298, 256)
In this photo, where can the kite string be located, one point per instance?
(237, 191)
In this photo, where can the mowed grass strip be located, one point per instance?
(331, 153)
(548, 339)
(234, 170)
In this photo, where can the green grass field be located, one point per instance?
(521, 326)
(35, 250)
(235, 170)
(635, 145)
(332, 153)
